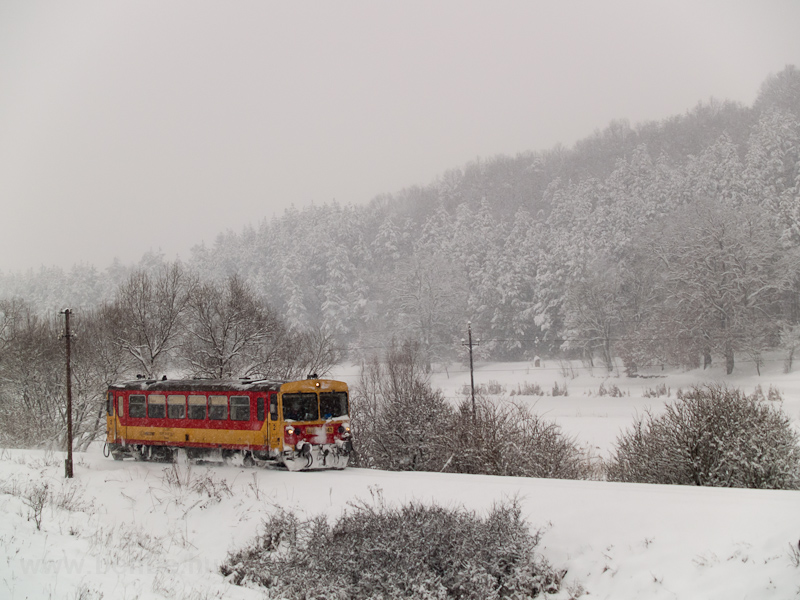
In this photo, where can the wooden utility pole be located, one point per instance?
(68, 336)
(471, 370)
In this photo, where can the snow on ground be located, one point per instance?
(147, 530)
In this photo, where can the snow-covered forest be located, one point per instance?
(664, 243)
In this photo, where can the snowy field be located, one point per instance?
(145, 530)
(596, 420)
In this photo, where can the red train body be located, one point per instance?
(301, 424)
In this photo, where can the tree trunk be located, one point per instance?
(607, 354)
(729, 363)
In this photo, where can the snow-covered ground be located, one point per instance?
(146, 530)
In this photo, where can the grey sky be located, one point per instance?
(128, 126)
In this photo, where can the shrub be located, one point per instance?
(612, 391)
(36, 497)
(413, 551)
(657, 392)
(492, 388)
(399, 421)
(773, 394)
(711, 436)
(507, 439)
(528, 389)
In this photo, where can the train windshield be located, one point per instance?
(333, 404)
(300, 407)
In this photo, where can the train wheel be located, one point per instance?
(248, 460)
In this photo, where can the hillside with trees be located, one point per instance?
(664, 243)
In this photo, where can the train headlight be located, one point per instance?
(290, 430)
(344, 430)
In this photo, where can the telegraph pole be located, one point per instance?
(68, 336)
(471, 370)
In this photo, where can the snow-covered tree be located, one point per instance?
(722, 272)
(773, 170)
(595, 313)
(146, 315)
(225, 329)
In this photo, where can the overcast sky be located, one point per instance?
(129, 126)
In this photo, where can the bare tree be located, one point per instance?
(295, 354)
(319, 350)
(147, 314)
(32, 406)
(32, 376)
(226, 330)
(97, 362)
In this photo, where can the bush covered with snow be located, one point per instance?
(399, 421)
(711, 436)
(505, 438)
(412, 551)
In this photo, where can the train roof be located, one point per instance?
(199, 385)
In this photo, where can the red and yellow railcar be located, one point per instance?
(301, 424)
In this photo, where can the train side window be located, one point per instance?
(176, 406)
(218, 408)
(110, 404)
(260, 409)
(273, 407)
(240, 408)
(156, 406)
(136, 407)
(119, 405)
(197, 407)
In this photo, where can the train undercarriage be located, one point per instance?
(305, 457)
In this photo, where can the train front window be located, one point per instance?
(333, 404)
(176, 406)
(136, 407)
(300, 407)
(240, 408)
(156, 406)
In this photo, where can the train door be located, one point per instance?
(275, 427)
(120, 428)
(111, 419)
